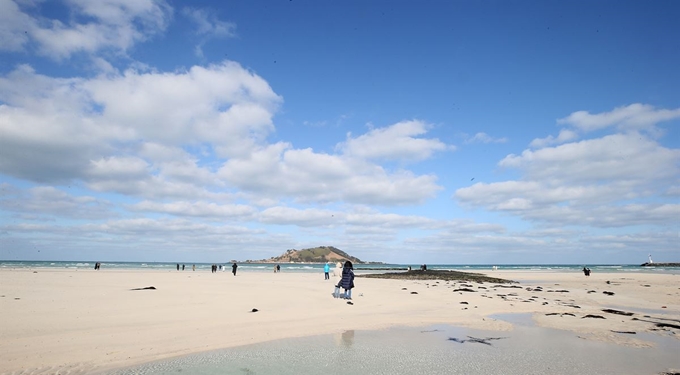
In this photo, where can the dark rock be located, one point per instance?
(438, 275)
(617, 312)
(545, 303)
(414, 292)
(254, 310)
(350, 303)
(608, 293)
(476, 340)
(667, 325)
(403, 289)
(145, 288)
(559, 291)
(594, 316)
(464, 290)
(463, 303)
(591, 291)
(507, 286)
(626, 332)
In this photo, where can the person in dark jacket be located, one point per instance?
(233, 268)
(347, 281)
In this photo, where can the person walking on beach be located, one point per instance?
(193, 267)
(278, 268)
(182, 267)
(177, 266)
(233, 268)
(347, 281)
(326, 270)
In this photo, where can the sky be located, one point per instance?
(466, 132)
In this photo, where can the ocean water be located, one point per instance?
(317, 268)
(432, 350)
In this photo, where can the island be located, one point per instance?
(319, 254)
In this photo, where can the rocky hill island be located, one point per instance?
(320, 254)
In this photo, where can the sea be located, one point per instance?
(318, 267)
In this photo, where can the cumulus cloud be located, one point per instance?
(485, 138)
(600, 182)
(396, 142)
(632, 117)
(93, 26)
(280, 170)
(197, 209)
(45, 201)
(85, 128)
(565, 135)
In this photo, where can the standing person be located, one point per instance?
(177, 266)
(326, 270)
(278, 268)
(182, 267)
(193, 267)
(347, 281)
(233, 268)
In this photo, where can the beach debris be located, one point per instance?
(17, 298)
(506, 286)
(592, 291)
(433, 330)
(350, 303)
(477, 340)
(544, 303)
(463, 303)
(404, 289)
(608, 293)
(414, 292)
(594, 316)
(647, 285)
(667, 325)
(570, 305)
(254, 310)
(559, 291)
(464, 290)
(618, 312)
(145, 288)
(560, 314)
(608, 282)
(626, 332)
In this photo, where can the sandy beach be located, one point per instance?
(86, 321)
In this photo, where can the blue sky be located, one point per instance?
(456, 132)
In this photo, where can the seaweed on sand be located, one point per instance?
(438, 275)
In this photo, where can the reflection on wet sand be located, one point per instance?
(345, 339)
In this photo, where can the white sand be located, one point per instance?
(86, 321)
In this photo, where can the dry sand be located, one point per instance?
(83, 321)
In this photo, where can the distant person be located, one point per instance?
(409, 268)
(278, 268)
(193, 267)
(233, 268)
(97, 266)
(177, 266)
(347, 281)
(182, 267)
(326, 270)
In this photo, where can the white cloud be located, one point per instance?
(47, 200)
(78, 128)
(207, 23)
(632, 117)
(279, 170)
(599, 182)
(197, 209)
(14, 26)
(565, 135)
(115, 25)
(485, 138)
(395, 142)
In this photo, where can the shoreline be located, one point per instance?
(64, 315)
